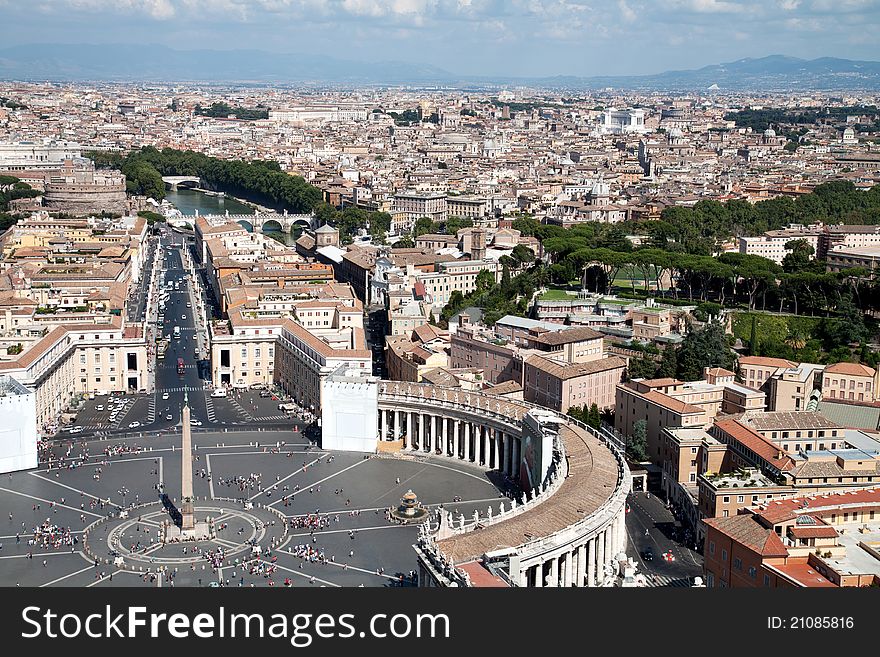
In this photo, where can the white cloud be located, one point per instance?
(626, 12)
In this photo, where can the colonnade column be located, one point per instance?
(591, 563)
(422, 419)
(382, 425)
(569, 563)
(554, 572)
(581, 565)
(539, 575)
(508, 453)
(398, 419)
(455, 439)
(497, 463)
(467, 441)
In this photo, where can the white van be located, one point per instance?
(219, 392)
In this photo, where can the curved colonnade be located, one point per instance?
(566, 531)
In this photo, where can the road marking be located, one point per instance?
(292, 474)
(299, 574)
(321, 481)
(58, 483)
(210, 477)
(356, 530)
(40, 499)
(55, 581)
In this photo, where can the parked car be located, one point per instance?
(75, 430)
(99, 407)
(134, 425)
(164, 395)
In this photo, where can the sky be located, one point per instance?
(471, 37)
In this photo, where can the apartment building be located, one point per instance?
(454, 276)
(558, 384)
(407, 207)
(80, 358)
(476, 346)
(850, 381)
(772, 244)
(809, 541)
(409, 357)
(647, 400)
(846, 237)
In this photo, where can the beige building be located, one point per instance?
(80, 358)
(642, 399)
(849, 381)
(560, 385)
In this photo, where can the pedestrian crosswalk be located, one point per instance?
(240, 410)
(665, 581)
(271, 418)
(186, 388)
(151, 410)
(209, 408)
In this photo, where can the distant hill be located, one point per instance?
(128, 62)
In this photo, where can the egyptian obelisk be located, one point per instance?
(187, 515)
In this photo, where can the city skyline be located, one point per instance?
(534, 38)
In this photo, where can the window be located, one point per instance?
(726, 499)
(740, 499)
(737, 563)
(711, 547)
(724, 555)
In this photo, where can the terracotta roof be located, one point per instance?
(660, 383)
(763, 421)
(763, 361)
(817, 531)
(756, 443)
(566, 336)
(572, 370)
(802, 573)
(776, 511)
(851, 369)
(748, 531)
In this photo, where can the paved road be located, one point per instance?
(663, 533)
(161, 409)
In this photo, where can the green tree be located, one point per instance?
(799, 256)
(753, 339)
(705, 347)
(594, 418)
(485, 279)
(423, 226)
(668, 368)
(526, 225)
(642, 367)
(637, 445)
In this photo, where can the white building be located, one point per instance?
(771, 245)
(18, 426)
(350, 411)
(29, 155)
(623, 121)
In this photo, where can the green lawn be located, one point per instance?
(556, 295)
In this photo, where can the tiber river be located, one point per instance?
(189, 200)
